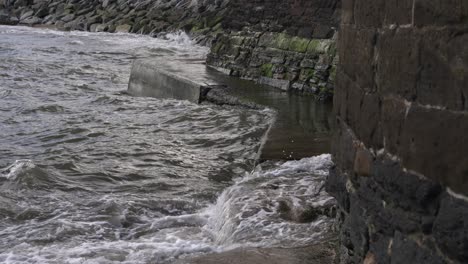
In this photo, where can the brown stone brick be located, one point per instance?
(363, 162)
(443, 67)
(433, 143)
(353, 103)
(356, 52)
(398, 12)
(393, 117)
(347, 12)
(340, 93)
(369, 13)
(344, 146)
(440, 12)
(398, 63)
(369, 130)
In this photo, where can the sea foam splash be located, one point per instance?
(282, 205)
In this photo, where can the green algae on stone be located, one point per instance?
(217, 47)
(313, 46)
(298, 44)
(306, 74)
(236, 40)
(211, 22)
(218, 27)
(332, 73)
(321, 46)
(266, 70)
(281, 41)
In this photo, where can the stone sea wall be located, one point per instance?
(401, 145)
(287, 44)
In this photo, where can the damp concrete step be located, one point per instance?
(182, 80)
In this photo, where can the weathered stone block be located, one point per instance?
(347, 12)
(435, 148)
(393, 117)
(299, 44)
(405, 250)
(342, 85)
(369, 13)
(151, 78)
(443, 68)
(382, 215)
(344, 146)
(379, 249)
(363, 162)
(451, 228)
(405, 189)
(356, 52)
(398, 63)
(123, 28)
(398, 12)
(355, 227)
(281, 84)
(353, 111)
(369, 128)
(440, 12)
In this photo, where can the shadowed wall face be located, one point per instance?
(401, 147)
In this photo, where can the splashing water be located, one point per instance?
(91, 175)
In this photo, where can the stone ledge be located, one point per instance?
(152, 78)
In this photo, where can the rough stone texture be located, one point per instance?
(400, 149)
(287, 44)
(281, 60)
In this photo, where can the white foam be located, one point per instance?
(247, 213)
(19, 166)
(179, 37)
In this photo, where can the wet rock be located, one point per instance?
(451, 228)
(5, 18)
(123, 28)
(32, 21)
(68, 18)
(77, 24)
(43, 12)
(304, 214)
(278, 83)
(99, 27)
(26, 14)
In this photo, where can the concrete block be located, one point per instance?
(150, 77)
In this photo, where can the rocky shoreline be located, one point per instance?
(294, 50)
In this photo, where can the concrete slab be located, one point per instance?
(183, 80)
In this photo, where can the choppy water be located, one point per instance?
(89, 174)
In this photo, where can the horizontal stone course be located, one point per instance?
(278, 59)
